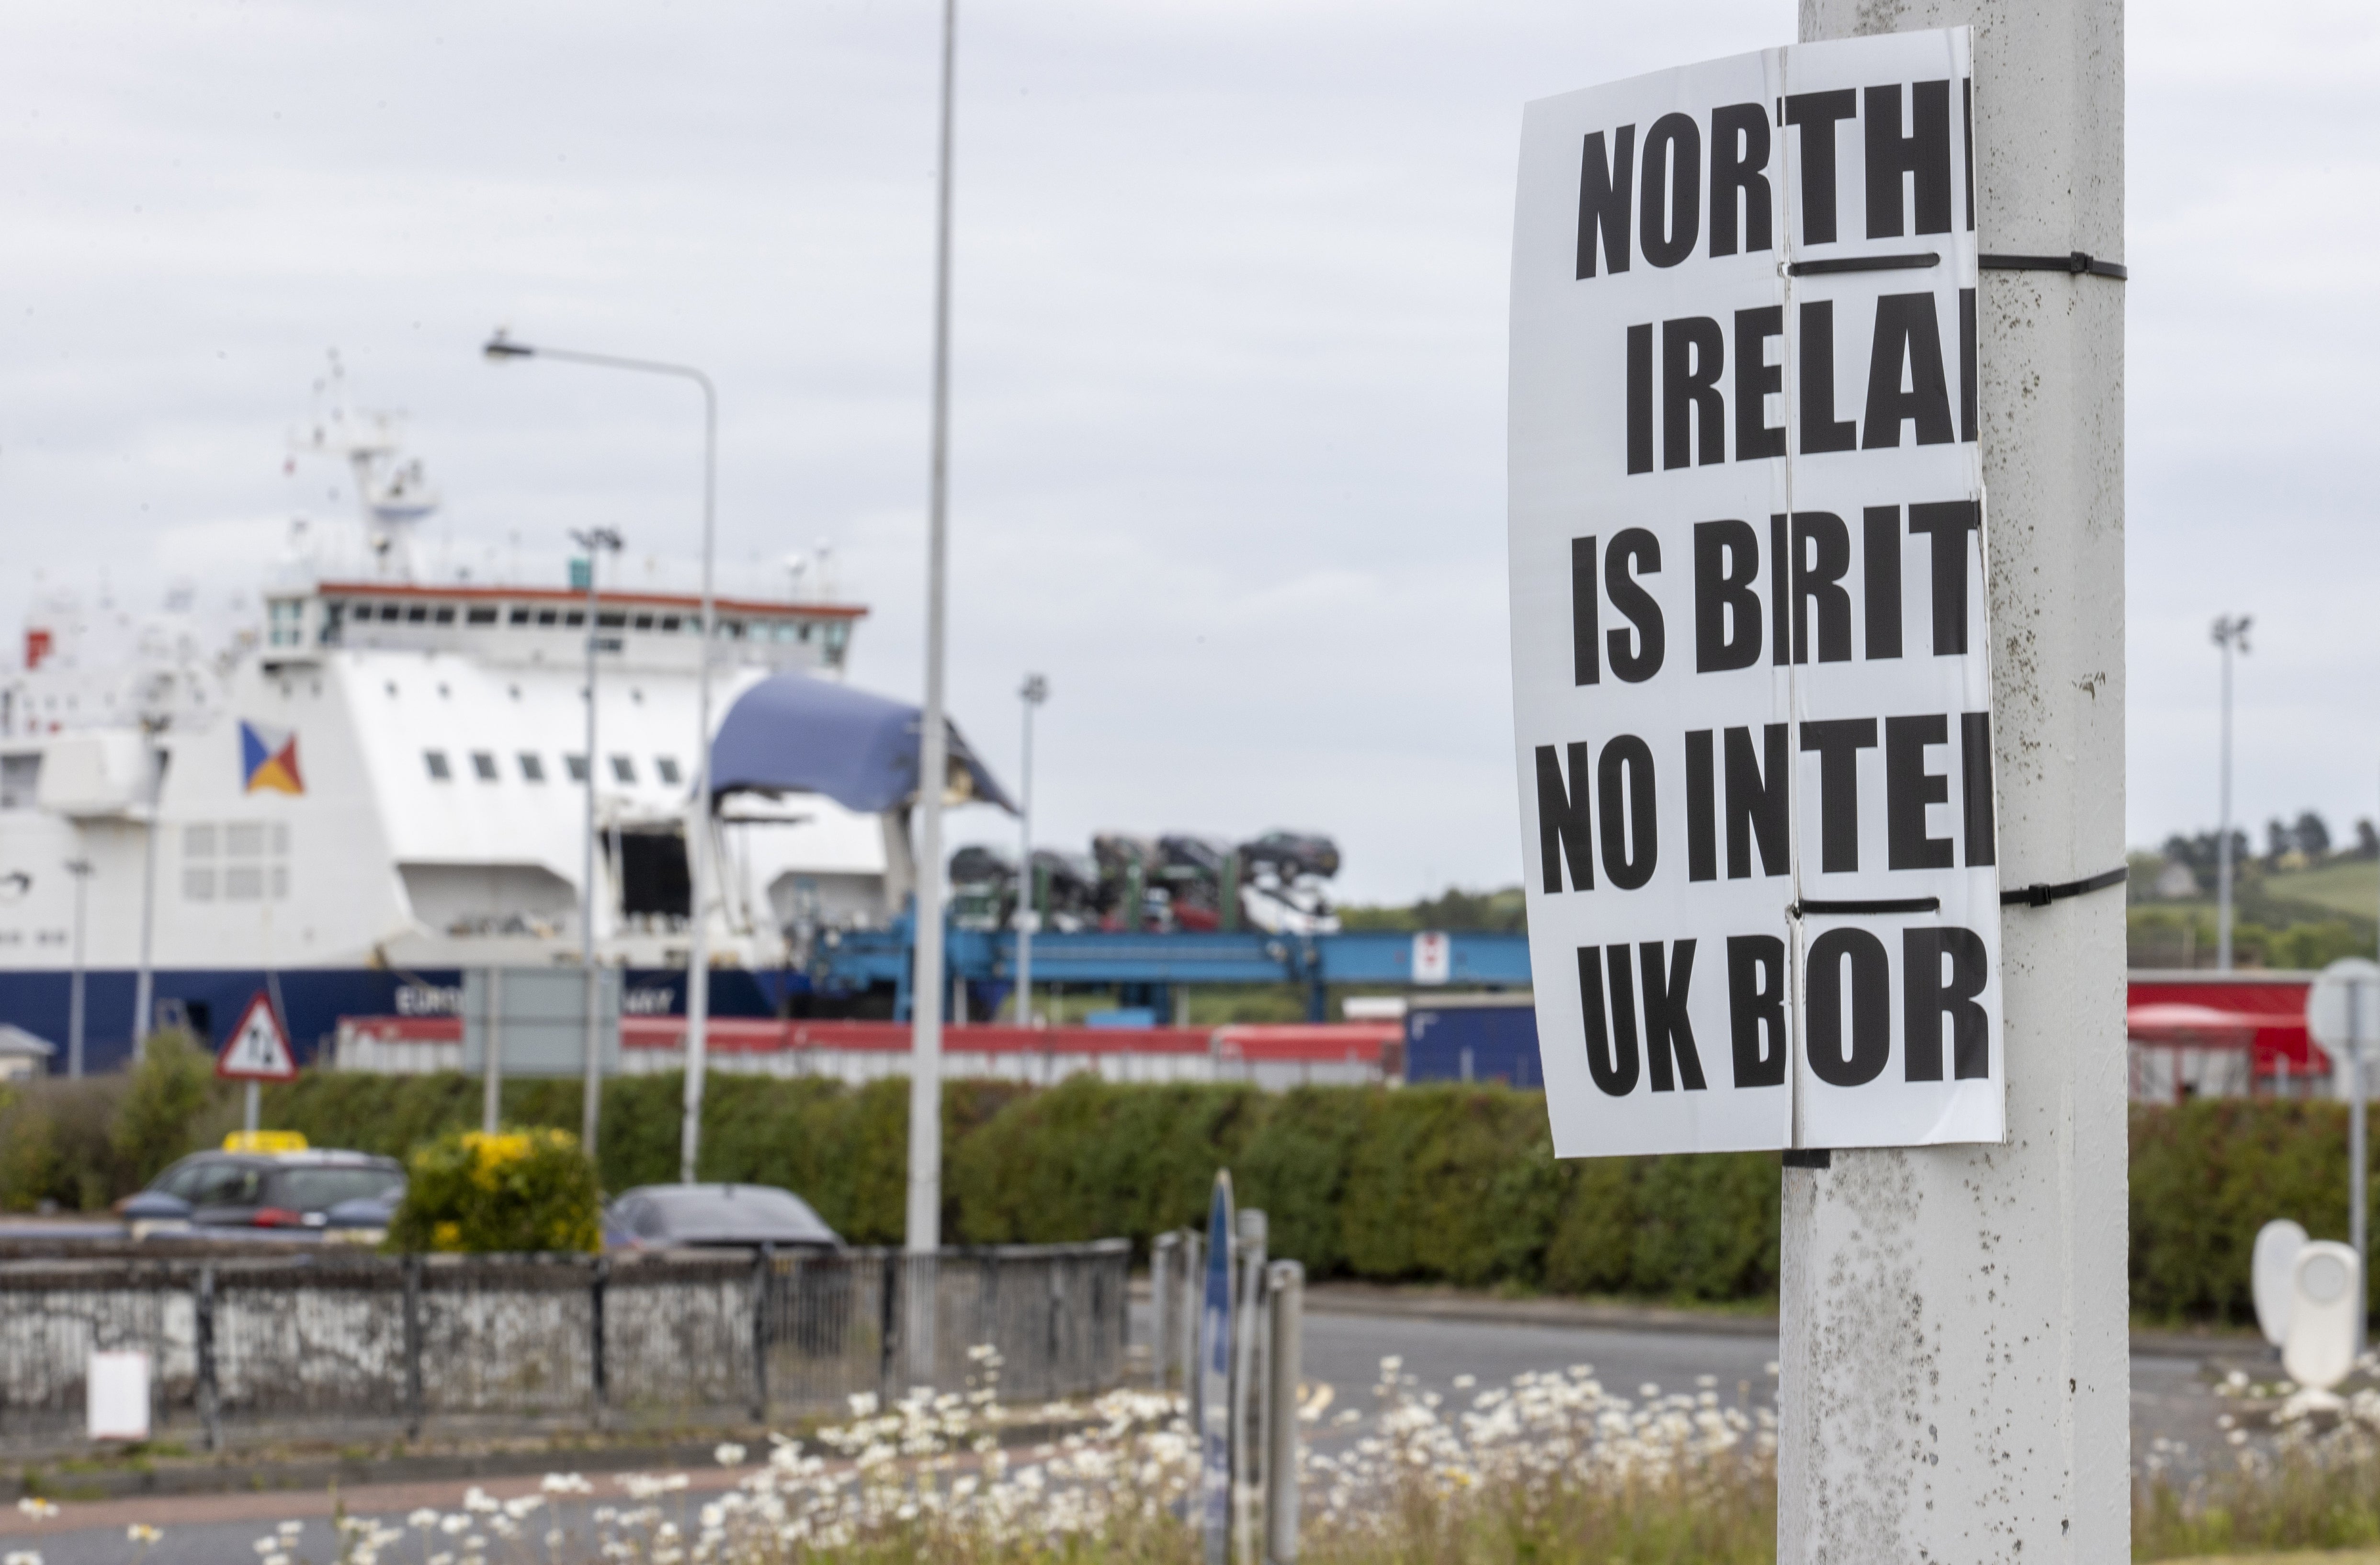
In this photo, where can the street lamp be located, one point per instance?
(1036, 690)
(144, 983)
(594, 541)
(922, 1232)
(81, 869)
(2231, 635)
(697, 837)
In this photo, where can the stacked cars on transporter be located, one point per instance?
(1276, 883)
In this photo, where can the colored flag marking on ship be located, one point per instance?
(268, 758)
(258, 1048)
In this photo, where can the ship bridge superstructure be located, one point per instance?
(370, 772)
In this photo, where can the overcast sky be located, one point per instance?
(1230, 391)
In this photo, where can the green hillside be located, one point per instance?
(2350, 886)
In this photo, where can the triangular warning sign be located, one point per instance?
(258, 1049)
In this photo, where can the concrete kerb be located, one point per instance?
(1391, 1301)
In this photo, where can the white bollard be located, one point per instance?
(2324, 1311)
(1284, 1357)
(2272, 1277)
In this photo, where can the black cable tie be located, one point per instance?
(2042, 895)
(1809, 1157)
(1916, 262)
(2074, 261)
(1899, 905)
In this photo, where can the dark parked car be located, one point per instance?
(745, 1217)
(268, 1190)
(810, 1286)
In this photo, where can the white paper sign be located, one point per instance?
(116, 1396)
(1752, 688)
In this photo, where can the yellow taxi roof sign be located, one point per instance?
(264, 1141)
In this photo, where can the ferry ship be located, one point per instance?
(374, 778)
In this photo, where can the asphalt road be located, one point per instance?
(2171, 1398)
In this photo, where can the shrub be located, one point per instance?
(516, 1191)
(165, 1111)
(57, 1144)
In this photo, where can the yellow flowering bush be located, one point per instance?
(511, 1192)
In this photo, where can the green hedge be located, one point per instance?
(1454, 1184)
(2206, 1175)
(1440, 1184)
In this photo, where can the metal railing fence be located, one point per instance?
(391, 1344)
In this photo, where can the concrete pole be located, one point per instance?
(491, 1067)
(1955, 1376)
(77, 1013)
(144, 985)
(591, 1096)
(698, 829)
(924, 1234)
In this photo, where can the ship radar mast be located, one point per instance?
(391, 492)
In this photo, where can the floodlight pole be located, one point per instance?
(75, 1011)
(1028, 915)
(923, 1233)
(594, 541)
(1954, 1372)
(499, 349)
(144, 985)
(2232, 636)
(2359, 1165)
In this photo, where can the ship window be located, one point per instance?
(281, 837)
(244, 838)
(546, 617)
(483, 766)
(532, 769)
(389, 612)
(665, 768)
(578, 765)
(670, 622)
(446, 615)
(731, 630)
(284, 618)
(331, 615)
(418, 614)
(20, 781)
(197, 842)
(199, 883)
(519, 616)
(574, 617)
(643, 621)
(281, 882)
(624, 770)
(243, 882)
(611, 619)
(436, 761)
(480, 616)
(802, 631)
